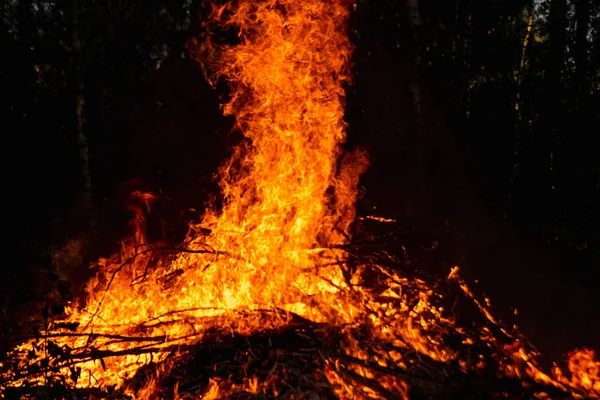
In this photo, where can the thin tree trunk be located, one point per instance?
(518, 73)
(415, 22)
(413, 12)
(595, 51)
(2, 8)
(554, 69)
(463, 23)
(82, 140)
(422, 141)
(582, 17)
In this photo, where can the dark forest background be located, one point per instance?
(481, 118)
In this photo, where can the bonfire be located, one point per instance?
(282, 291)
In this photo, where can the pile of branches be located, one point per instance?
(293, 361)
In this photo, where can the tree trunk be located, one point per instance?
(82, 140)
(463, 27)
(544, 172)
(419, 153)
(518, 74)
(582, 17)
(412, 7)
(413, 12)
(2, 7)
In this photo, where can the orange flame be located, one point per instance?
(273, 250)
(285, 198)
(584, 369)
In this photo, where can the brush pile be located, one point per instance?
(439, 341)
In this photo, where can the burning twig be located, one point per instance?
(310, 345)
(150, 250)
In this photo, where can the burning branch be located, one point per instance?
(300, 356)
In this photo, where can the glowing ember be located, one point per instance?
(276, 254)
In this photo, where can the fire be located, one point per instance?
(286, 198)
(276, 253)
(286, 79)
(584, 369)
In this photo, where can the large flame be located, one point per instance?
(286, 196)
(286, 79)
(275, 247)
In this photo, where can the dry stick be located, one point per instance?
(95, 354)
(371, 384)
(386, 370)
(138, 350)
(210, 250)
(145, 273)
(101, 336)
(173, 312)
(30, 392)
